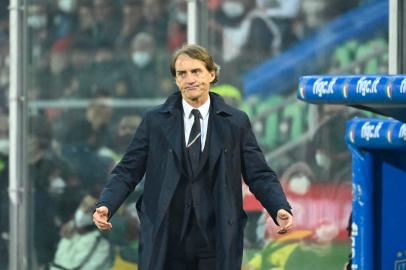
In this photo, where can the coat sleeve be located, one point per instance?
(260, 178)
(128, 172)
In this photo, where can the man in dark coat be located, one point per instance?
(193, 150)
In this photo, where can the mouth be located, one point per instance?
(191, 88)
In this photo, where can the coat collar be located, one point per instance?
(173, 128)
(173, 103)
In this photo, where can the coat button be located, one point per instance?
(230, 222)
(170, 150)
(225, 150)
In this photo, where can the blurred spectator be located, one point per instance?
(4, 21)
(132, 22)
(99, 114)
(108, 72)
(284, 14)
(39, 29)
(49, 175)
(81, 64)
(82, 246)
(81, 147)
(146, 69)
(107, 22)
(54, 78)
(124, 133)
(177, 28)
(331, 159)
(86, 26)
(156, 20)
(249, 37)
(298, 178)
(64, 18)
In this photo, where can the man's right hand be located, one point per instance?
(100, 217)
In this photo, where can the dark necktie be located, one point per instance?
(194, 145)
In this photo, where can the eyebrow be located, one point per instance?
(183, 71)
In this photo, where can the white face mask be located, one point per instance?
(299, 184)
(57, 186)
(37, 21)
(323, 160)
(82, 219)
(141, 59)
(233, 9)
(4, 146)
(67, 5)
(181, 17)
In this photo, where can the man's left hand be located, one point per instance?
(285, 221)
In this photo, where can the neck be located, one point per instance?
(197, 102)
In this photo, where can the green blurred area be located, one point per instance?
(297, 256)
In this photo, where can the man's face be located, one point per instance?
(193, 79)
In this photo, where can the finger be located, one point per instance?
(101, 212)
(283, 215)
(104, 226)
(285, 229)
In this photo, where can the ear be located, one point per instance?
(176, 82)
(212, 75)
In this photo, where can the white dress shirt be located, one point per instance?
(188, 119)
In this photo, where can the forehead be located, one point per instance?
(185, 62)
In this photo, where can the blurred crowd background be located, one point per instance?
(93, 68)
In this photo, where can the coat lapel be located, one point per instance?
(173, 126)
(173, 131)
(218, 136)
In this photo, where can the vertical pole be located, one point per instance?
(18, 192)
(192, 21)
(393, 37)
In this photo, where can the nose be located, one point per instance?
(189, 78)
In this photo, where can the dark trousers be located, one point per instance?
(193, 252)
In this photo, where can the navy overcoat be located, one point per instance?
(155, 151)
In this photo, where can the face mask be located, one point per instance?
(4, 78)
(323, 160)
(57, 186)
(67, 5)
(82, 219)
(141, 59)
(37, 21)
(181, 17)
(233, 9)
(4, 145)
(299, 184)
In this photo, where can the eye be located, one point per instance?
(197, 72)
(181, 74)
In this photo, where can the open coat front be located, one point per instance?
(156, 152)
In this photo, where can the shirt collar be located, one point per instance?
(204, 109)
